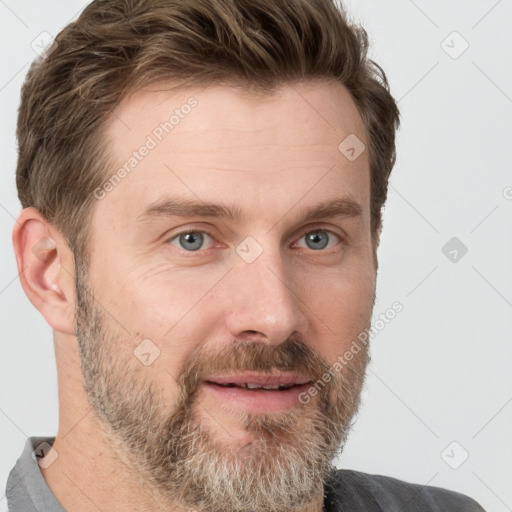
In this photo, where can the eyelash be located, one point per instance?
(204, 231)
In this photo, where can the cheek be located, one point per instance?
(341, 308)
(159, 295)
(166, 307)
(348, 290)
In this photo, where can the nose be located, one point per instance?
(264, 302)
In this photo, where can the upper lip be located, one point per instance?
(261, 379)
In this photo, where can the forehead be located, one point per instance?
(314, 108)
(218, 140)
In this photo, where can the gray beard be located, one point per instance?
(176, 454)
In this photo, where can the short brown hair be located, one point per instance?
(119, 46)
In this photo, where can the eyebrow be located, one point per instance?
(344, 207)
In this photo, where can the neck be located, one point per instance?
(88, 473)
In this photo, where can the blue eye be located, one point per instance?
(190, 240)
(319, 239)
(193, 241)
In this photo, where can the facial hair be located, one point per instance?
(174, 452)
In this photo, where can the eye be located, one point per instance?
(193, 241)
(190, 240)
(320, 239)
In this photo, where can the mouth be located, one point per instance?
(259, 392)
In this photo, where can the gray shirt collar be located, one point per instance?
(27, 490)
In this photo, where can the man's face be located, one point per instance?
(186, 305)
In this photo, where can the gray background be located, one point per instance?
(439, 387)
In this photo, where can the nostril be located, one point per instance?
(250, 336)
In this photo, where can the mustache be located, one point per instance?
(293, 355)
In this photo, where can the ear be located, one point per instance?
(46, 269)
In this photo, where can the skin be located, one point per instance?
(272, 156)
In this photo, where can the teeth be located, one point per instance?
(258, 386)
(273, 386)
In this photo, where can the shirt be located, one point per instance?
(344, 491)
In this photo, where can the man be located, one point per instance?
(202, 184)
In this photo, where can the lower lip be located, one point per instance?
(258, 400)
